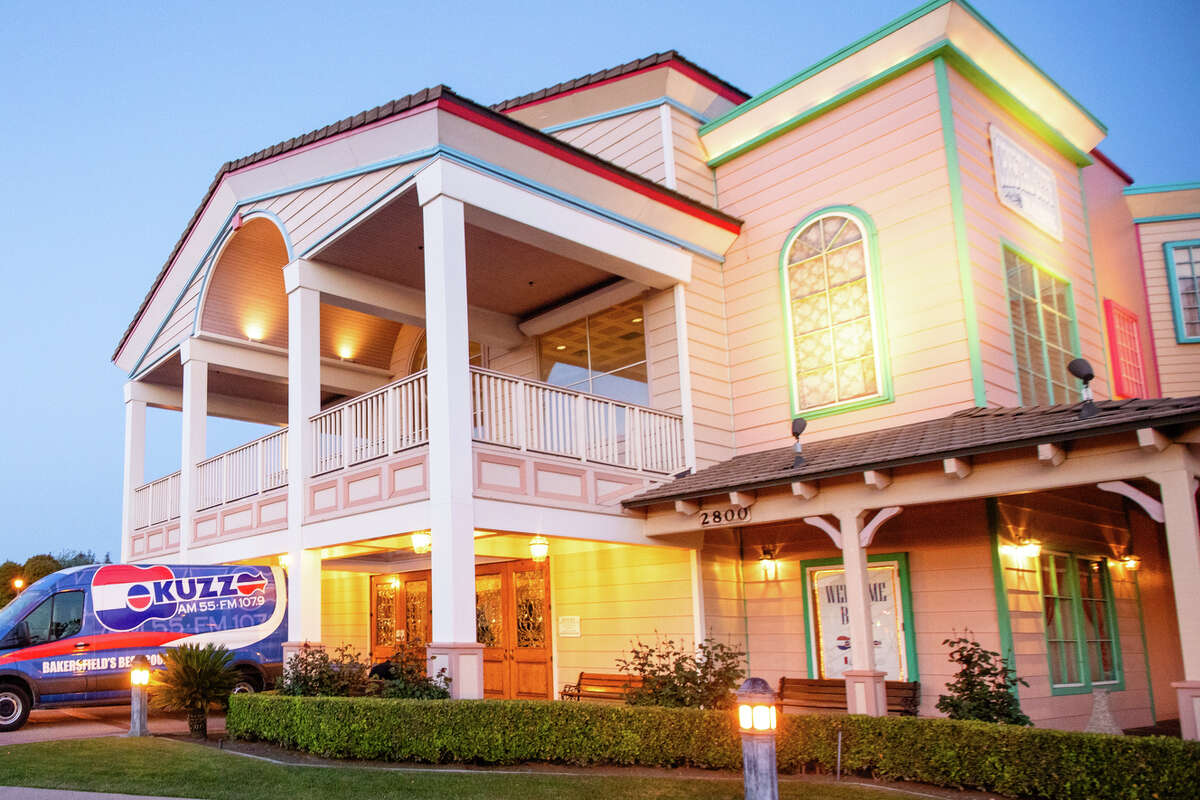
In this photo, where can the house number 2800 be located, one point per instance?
(726, 516)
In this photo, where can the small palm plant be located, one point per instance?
(195, 678)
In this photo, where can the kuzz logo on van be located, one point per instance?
(125, 596)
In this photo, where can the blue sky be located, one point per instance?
(116, 116)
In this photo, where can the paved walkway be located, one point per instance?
(22, 793)
(49, 725)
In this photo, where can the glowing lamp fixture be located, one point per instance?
(18, 583)
(422, 542)
(139, 671)
(769, 564)
(394, 582)
(539, 548)
(636, 319)
(1025, 548)
(756, 707)
(1131, 562)
(254, 331)
(284, 560)
(345, 352)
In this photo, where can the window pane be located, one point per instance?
(1039, 304)
(627, 386)
(489, 617)
(37, 622)
(68, 615)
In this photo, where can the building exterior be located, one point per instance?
(534, 369)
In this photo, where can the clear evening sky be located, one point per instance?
(115, 117)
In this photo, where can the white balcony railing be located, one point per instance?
(156, 502)
(506, 411)
(251, 469)
(387, 420)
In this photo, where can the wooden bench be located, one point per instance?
(903, 697)
(600, 686)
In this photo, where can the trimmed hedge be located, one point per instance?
(1010, 760)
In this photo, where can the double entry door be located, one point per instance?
(512, 622)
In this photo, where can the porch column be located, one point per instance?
(304, 400)
(865, 691)
(451, 510)
(135, 465)
(195, 427)
(1183, 547)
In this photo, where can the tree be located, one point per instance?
(984, 688)
(8, 571)
(38, 567)
(75, 558)
(195, 678)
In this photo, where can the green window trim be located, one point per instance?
(910, 636)
(1169, 248)
(883, 373)
(1069, 293)
(1086, 685)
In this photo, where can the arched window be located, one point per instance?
(834, 323)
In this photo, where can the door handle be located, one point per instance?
(82, 645)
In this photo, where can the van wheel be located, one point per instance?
(14, 707)
(248, 683)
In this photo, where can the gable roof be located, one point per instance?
(964, 433)
(721, 86)
(381, 112)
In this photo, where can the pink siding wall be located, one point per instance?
(882, 153)
(1115, 248)
(693, 176)
(1178, 364)
(989, 222)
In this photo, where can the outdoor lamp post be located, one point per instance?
(18, 584)
(757, 719)
(139, 679)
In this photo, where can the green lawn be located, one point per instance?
(166, 767)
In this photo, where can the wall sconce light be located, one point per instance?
(394, 582)
(539, 548)
(422, 542)
(254, 332)
(1131, 562)
(1024, 548)
(345, 352)
(769, 564)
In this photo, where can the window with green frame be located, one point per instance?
(836, 352)
(1081, 638)
(1044, 336)
(1183, 278)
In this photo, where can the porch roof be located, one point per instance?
(964, 433)
(406, 103)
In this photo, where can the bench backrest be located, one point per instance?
(605, 682)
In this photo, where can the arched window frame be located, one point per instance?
(883, 372)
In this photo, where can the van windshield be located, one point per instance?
(25, 602)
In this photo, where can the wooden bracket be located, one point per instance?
(830, 530)
(806, 489)
(867, 534)
(1152, 507)
(1051, 455)
(687, 507)
(956, 467)
(742, 499)
(1151, 440)
(878, 478)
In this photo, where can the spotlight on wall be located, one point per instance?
(539, 548)
(1028, 548)
(422, 542)
(1131, 562)
(1082, 370)
(798, 426)
(769, 564)
(254, 332)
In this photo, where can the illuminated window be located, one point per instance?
(1183, 273)
(602, 354)
(1126, 345)
(1043, 331)
(1077, 610)
(834, 329)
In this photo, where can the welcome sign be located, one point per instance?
(1024, 184)
(833, 620)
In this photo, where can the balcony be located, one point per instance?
(370, 452)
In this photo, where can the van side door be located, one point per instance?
(57, 653)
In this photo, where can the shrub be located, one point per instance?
(405, 675)
(195, 678)
(1006, 759)
(678, 678)
(312, 672)
(983, 688)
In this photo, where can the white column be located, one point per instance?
(135, 465)
(1183, 546)
(451, 510)
(304, 400)
(864, 684)
(683, 353)
(194, 444)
